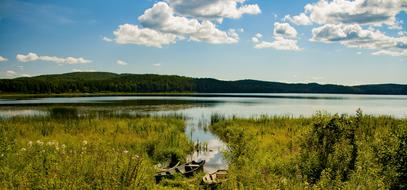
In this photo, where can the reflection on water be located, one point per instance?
(199, 109)
(8, 113)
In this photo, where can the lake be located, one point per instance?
(198, 109)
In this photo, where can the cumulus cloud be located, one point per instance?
(284, 38)
(161, 17)
(355, 24)
(60, 60)
(354, 36)
(120, 62)
(284, 30)
(27, 58)
(3, 59)
(161, 25)
(364, 12)
(300, 19)
(279, 43)
(132, 34)
(214, 9)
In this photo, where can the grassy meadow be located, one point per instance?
(321, 152)
(89, 152)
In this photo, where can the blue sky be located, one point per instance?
(341, 42)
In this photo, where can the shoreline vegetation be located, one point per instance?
(319, 152)
(85, 83)
(67, 150)
(179, 94)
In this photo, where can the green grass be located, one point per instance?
(321, 152)
(89, 152)
(325, 151)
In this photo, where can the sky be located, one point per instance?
(346, 42)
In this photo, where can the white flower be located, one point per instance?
(30, 143)
(85, 142)
(135, 157)
(40, 142)
(63, 146)
(23, 149)
(125, 151)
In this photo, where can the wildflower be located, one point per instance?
(63, 146)
(85, 142)
(30, 143)
(40, 142)
(125, 151)
(23, 149)
(135, 157)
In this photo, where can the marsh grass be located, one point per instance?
(321, 152)
(88, 152)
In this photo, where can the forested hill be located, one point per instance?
(102, 82)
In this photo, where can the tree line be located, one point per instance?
(99, 82)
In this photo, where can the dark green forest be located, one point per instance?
(103, 82)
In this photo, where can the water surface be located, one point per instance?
(198, 108)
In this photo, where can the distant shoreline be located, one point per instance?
(112, 84)
(189, 94)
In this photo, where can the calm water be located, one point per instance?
(198, 110)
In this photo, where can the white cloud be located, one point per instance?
(210, 34)
(394, 53)
(300, 19)
(369, 12)
(355, 36)
(162, 25)
(83, 70)
(279, 43)
(27, 58)
(214, 9)
(161, 17)
(106, 39)
(66, 60)
(255, 40)
(120, 62)
(355, 24)
(157, 65)
(3, 59)
(284, 38)
(284, 30)
(132, 34)
(11, 73)
(402, 33)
